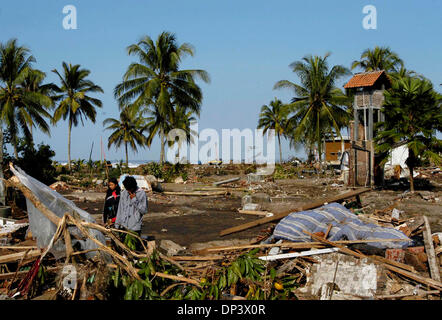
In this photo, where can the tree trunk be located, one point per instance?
(127, 157)
(411, 163)
(280, 152)
(14, 143)
(411, 179)
(69, 145)
(319, 154)
(162, 146)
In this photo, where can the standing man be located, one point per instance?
(132, 206)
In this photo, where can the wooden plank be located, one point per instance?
(214, 193)
(254, 212)
(21, 274)
(403, 295)
(328, 231)
(196, 258)
(225, 181)
(177, 278)
(13, 257)
(429, 248)
(283, 214)
(18, 247)
(394, 263)
(297, 254)
(294, 245)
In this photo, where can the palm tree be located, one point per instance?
(157, 81)
(380, 58)
(317, 103)
(274, 117)
(128, 130)
(413, 114)
(22, 105)
(404, 73)
(34, 83)
(75, 103)
(182, 120)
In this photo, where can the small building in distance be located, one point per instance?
(334, 148)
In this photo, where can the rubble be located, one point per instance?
(170, 247)
(320, 266)
(347, 275)
(59, 186)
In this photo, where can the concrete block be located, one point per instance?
(246, 199)
(170, 247)
(353, 276)
(261, 197)
(251, 206)
(254, 177)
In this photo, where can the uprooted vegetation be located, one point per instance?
(128, 267)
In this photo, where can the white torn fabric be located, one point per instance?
(43, 229)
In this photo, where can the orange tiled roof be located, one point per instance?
(365, 79)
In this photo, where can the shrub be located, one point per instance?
(35, 162)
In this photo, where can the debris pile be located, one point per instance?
(321, 250)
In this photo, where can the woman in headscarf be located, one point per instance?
(111, 201)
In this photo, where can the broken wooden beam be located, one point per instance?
(177, 278)
(196, 258)
(254, 212)
(403, 295)
(283, 214)
(394, 263)
(429, 248)
(22, 274)
(14, 257)
(213, 193)
(293, 245)
(225, 181)
(297, 254)
(18, 247)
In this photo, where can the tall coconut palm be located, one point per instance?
(156, 123)
(128, 130)
(33, 83)
(380, 58)
(182, 120)
(317, 105)
(74, 102)
(22, 106)
(274, 117)
(157, 80)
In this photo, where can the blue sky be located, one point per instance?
(246, 46)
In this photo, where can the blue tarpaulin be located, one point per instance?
(345, 226)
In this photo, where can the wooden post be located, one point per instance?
(429, 248)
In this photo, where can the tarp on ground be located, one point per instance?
(345, 226)
(43, 229)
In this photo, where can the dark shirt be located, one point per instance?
(111, 203)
